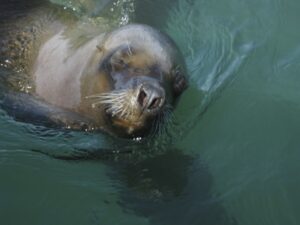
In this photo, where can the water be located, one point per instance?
(233, 158)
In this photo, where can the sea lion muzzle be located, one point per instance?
(134, 110)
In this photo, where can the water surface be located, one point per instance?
(232, 157)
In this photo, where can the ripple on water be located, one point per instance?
(214, 53)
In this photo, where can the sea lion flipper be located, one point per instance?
(70, 120)
(27, 108)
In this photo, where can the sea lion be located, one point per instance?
(124, 82)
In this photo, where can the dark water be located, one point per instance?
(233, 157)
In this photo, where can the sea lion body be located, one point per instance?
(123, 81)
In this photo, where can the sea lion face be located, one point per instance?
(145, 83)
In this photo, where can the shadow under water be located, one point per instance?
(169, 188)
(14, 9)
(144, 12)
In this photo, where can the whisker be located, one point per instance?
(129, 52)
(108, 94)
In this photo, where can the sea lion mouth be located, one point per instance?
(131, 128)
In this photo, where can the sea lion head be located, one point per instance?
(146, 76)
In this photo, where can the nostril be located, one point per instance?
(142, 97)
(155, 103)
(150, 98)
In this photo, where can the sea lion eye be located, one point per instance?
(120, 59)
(180, 82)
(118, 63)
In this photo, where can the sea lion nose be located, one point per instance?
(151, 97)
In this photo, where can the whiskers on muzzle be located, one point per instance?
(163, 121)
(123, 104)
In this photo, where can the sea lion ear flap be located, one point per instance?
(180, 82)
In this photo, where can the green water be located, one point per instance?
(233, 158)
